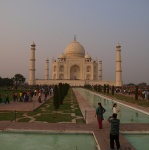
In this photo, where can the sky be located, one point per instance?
(99, 26)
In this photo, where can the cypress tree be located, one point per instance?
(95, 87)
(63, 91)
(108, 89)
(104, 88)
(99, 90)
(89, 87)
(66, 88)
(60, 93)
(136, 93)
(56, 97)
(112, 89)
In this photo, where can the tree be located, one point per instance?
(108, 88)
(56, 98)
(63, 91)
(104, 88)
(66, 88)
(60, 86)
(95, 87)
(18, 79)
(112, 89)
(143, 84)
(136, 93)
(6, 82)
(131, 84)
(99, 88)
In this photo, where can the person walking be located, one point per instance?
(99, 115)
(39, 97)
(45, 96)
(114, 132)
(0, 99)
(7, 98)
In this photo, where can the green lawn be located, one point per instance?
(127, 98)
(47, 113)
(10, 116)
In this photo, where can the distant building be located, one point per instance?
(75, 68)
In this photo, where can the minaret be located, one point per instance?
(47, 70)
(32, 65)
(74, 37)
(100, 70)
(118, 66)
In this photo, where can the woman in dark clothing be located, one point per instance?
(99, 114)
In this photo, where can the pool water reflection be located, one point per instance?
(46, 141)
(126, 114)
(139, 141)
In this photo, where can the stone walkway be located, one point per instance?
(102, 135)
(22, 106)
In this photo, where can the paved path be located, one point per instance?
(22, 106)
(101, 135)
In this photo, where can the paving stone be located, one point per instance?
(102, 135)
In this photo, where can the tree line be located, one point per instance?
(12, 82)
(60, 91)
(106, 88)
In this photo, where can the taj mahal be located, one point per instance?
(75, 67)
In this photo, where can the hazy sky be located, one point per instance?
(98, 25)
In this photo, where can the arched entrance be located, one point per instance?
(61, 68)
(88, 77)
(61, 76)
(75, 72)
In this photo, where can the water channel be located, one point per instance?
(127, 114)
(46, 141)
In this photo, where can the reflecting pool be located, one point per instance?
(139, 141)
(46, 141)
(126, 114)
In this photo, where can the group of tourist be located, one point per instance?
(6, 98)
(115, 123)
(21, 97)
(144, 94)
(27, 96)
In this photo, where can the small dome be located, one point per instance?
(74, 49)
(118, 45)
(87, 56)
(61, 56)
(33, 45)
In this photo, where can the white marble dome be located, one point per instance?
(74, 49)
(87, 56)
(61, 56)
